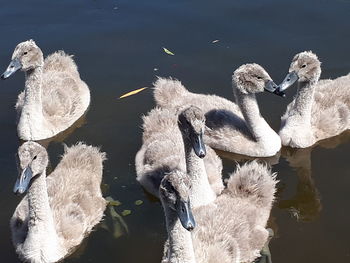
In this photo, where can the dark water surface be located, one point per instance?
(117, 46)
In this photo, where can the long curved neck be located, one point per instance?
(32, 90)
(32, 113)
(250, 110)
(303, 101)
(42, 240)
(180, 241)
(201, 191)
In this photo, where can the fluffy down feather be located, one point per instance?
(232, 228)
(75, 199)
(163, 151)
(56, 96)
(320, 110)
(226, 127)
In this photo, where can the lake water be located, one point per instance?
(118, 47)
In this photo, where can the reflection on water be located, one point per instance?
(306, 204)
(265, 252)
(243, 158)
(117, 50)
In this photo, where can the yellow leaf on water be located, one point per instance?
(132, 93)
(168, 51)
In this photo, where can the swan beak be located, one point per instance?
(22, 182)
(273, 88)
(185, 215)
(288, 81)
(15, 65)
(198, 145)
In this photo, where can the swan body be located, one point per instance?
(54, 96)
(162, 151)
(320, 109)
(230, 229)
(61, 209)
(236, 127)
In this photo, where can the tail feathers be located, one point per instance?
(167, 92)
(222, 249)
(62, 62)
(217, 255)
(82, 155)
(157, 120)
(254, 181)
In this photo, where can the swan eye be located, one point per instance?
(303, 66)
(258, 77)
(25, 53)
(34, 158)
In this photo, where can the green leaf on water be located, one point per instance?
(112, 202)
(126, 212)
(138, 202)
(168, 51)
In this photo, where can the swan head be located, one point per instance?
(27, 56)
(253, 78)
(305, 67)
(32, 161)
(191, 123)
(174, 192)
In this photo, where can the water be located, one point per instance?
(117, 45)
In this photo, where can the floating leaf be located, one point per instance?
(126, 212)
(132, 93)
(112, 202)
(168, 51)
(138, 202)
(215, 41)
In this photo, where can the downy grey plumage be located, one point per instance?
(231, 126)
(60, 209)
(320, 109)
(54, 96)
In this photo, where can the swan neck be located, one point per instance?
(202, 193)
(33, 85)
(303, 100)
(251, 113)
(31, 122)
(42, 237)
(180, 240)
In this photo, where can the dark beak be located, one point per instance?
(23, 180)
(288, 81)
(185, 215)
(198, 145)
(273, 88)
(15, 65)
